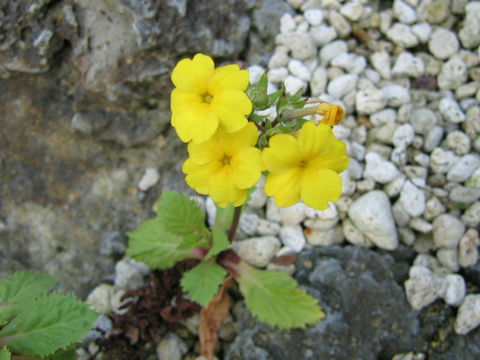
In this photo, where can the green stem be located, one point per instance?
(234, 226)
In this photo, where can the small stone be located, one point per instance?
(370, 100)
(453, 74)
(293, 85)
(258, 198)
(469, 34)
(448, 257)
(258, 251)
(287, 23)
(293, 215)
(81, 123)
(403, 136)
(464, 168)
(128, 275)
(442, 160)
(352, 63)
(314, 16)
(468, 316)
(325, 237)
(393, 188)
(117, 302)
(382, 63)
(455, 290)
(443, 43)
(459, 142)
(266, 227)
(404, 12)
(301, 45)
(371, 214)
(447, 231)
(422, 31)
(379, 169)
(416, 174)
(464, 194)
(272, 212)
(407, 64)
(248, 223)
(341, 25)
(99, 298)
(299, 70)
(422, 288)
(402, 35)
(420, 225)
(451, 111)
(352, 10)
(149, 179)
(468, 248)
(323, 34)
(342, 85)
(471, 216)
(171, 347)
(329, 51)
(318, 84)
(433, 208)
(423, 120)
(279, 58)
(407, 236)
(355, 236)
(396, 95)
(277, 74)
(412, 199)
(292, 237)
(409, 356)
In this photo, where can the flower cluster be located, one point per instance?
(213, 113)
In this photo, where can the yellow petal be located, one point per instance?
(282, 153)
(234, 142)
(195, 124)
(206, 152)
(222, 189)
(198, 176)
(228, 77)
(232, 107)
(285, 187)
(193, 75)
(247, 167)
(314, 140)
(320, 186)
(336, 159)
(181, 100)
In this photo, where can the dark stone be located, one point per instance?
(367, 315)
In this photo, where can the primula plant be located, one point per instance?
(230, 145)
(35, 324)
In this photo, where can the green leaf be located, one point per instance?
(257, 118)
(19, 289)
(224, 217)
(220, 242)
(273, 97)
(263, 82)
(4, 353)
(202, 282)
(64, 354)
(157, 248)
(181, 216)
(48, 324)
(273, 297)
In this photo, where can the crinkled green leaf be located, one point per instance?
(64, 354)
(48, 324)
(21, 288)
(274, 298)
(4, 353)
(220, 242)
(202, 282)
(156, 247)
(181, 216)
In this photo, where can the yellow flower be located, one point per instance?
(225, 166)
(305, 167)
(206, 98)
(332, 114)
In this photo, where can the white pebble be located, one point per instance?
(293, 85)
(370, 100)
(459, 142)
(352, 10)
(299, 70)
(455, 290)
(402, 35)
(323, 34)
(452, 74)
(443, 43)
(314, 16)
(447, 231)
(451, 111)
(468, 248)
(248, 223)
(422, 287)
(293, 215)
(277, 74)
(265, 227)
(407, 64)
(464, 168)
(258, 251)
(422, 31)
(468, 316)
(149, 179)
(342, 85)
(403, 136)
(382, 63)
(412, 199)
(471, 216)
(448, 257)
(379, 169)
(354, 235)
(404, 12)
(292, 237)
(329, 51)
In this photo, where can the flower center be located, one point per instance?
(226, 160)
(207, 98)
(303, 164)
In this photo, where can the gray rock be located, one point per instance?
(447, 231)
(171, 347)
(352, 284)
(129, 274)
(371, 214)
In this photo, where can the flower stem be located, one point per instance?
(234, 226)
